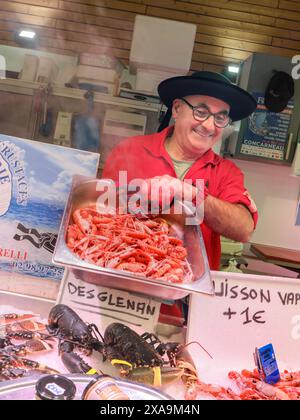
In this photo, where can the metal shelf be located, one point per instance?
(29, 88)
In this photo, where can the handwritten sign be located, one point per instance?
(263, 296)
(247, 312)
(102, 306)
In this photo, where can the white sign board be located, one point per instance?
(103, 306)
(247, 312)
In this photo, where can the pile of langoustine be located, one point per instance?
(251, 387)
(138, 244)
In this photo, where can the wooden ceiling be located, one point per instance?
(227, 31)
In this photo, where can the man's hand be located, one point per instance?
(162, 190)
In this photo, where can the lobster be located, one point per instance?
(135, 355)
(123, 343)
(72, 332)
(67, 325)
(140, 357)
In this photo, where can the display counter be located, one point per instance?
(247, 312)
(25, 303)
(112, 312)
(19, 284)
(287, 258)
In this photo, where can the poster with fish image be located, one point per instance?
(35, 180)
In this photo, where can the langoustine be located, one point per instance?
(137, 244)
(250, 387)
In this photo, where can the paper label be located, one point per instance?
(103, 306)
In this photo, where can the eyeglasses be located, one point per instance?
(201, 114)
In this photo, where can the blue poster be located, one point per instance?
(267, 132)
(35, 179)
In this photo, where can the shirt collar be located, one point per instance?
(157, 148)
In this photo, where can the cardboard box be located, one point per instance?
(47, 70)
(162, 44)
(97, 73)
(124, 124)
(118, 125)
(102, 61)
(30, 68)
(95, 85)
(65, 75)
(148, 80)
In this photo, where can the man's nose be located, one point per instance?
(209, 124)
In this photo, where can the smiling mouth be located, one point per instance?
(200, 133)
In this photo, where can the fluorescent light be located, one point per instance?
(233, 69)
(27, 34)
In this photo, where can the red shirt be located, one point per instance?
(146, 157)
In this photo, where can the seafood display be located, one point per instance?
(16, 328)
(140, 358)
(137, 244)
(82, 349)
(251, 387)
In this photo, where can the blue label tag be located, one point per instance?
(267, 365)
(55, 389)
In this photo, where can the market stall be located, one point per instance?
(231, 316)
(247, 312)
(86, 273)
(226, 323)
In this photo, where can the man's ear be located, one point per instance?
(175, 108)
